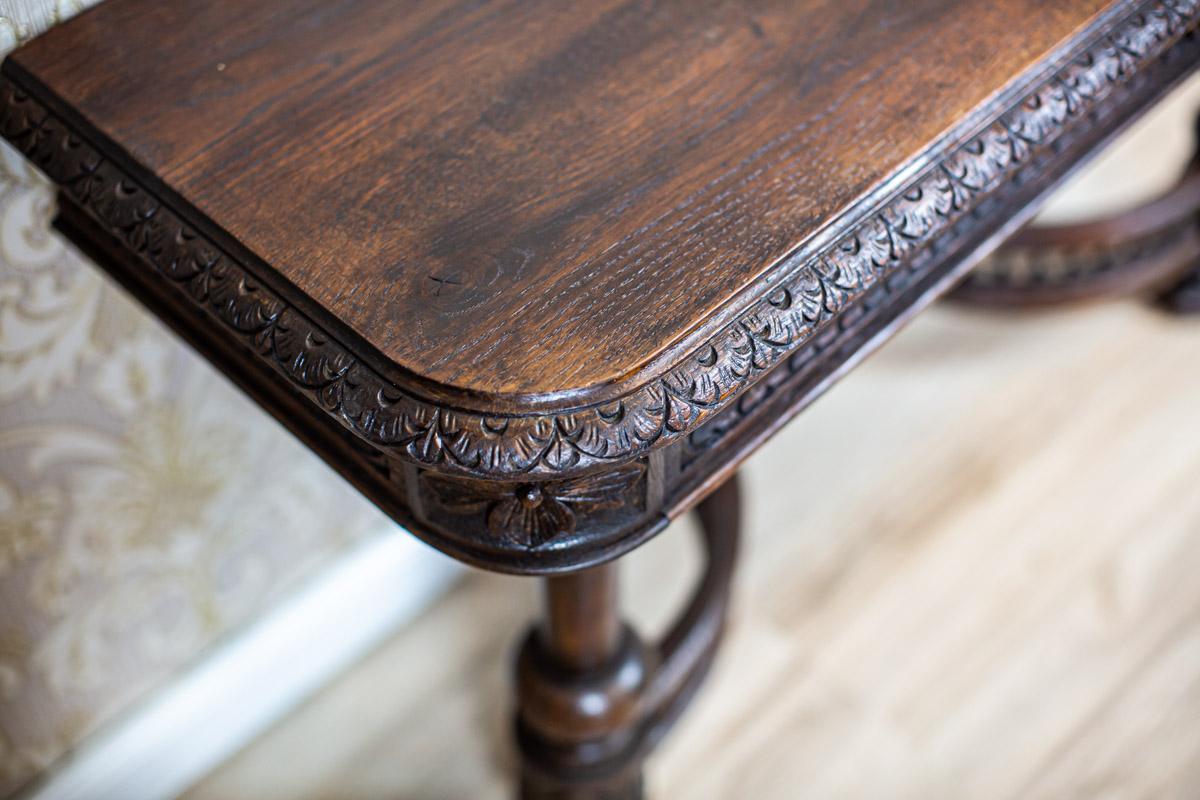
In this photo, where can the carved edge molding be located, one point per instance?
(551, 445)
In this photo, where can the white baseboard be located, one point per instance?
(221, 704)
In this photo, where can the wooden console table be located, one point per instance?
(536, 276)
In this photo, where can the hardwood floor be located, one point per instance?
(984, 587)
(989, 593)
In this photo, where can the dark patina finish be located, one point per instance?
(536, 277)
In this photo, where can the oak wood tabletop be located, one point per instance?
(595, 253)
(537, 276)
(534, 202)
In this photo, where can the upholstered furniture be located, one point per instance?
(536, 277)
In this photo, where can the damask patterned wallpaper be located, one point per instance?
(146, 507)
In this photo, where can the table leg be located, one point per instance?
(1151, 250)
(592, 698)
(1184, 296)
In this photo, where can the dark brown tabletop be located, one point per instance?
(536, 276)
(523, 201)
(606, 248)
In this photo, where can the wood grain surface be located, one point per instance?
(532, 198)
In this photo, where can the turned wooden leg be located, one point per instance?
(579, 676)
(592, 698)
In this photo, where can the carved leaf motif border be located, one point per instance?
(789, 317)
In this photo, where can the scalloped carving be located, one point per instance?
(811, 295)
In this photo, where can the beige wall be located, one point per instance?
(146, 507)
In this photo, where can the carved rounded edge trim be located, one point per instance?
(548, 445)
